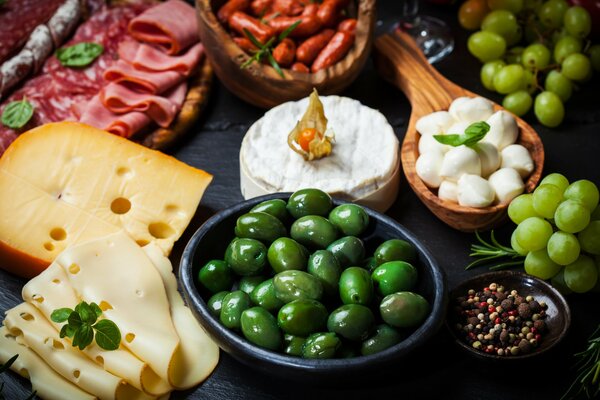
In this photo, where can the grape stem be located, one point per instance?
(494, 255)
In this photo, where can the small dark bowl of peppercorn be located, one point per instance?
(507, 315)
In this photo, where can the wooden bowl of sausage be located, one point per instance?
(305, 45)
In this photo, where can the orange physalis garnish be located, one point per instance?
(305, 137)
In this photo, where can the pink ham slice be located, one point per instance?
(145, 57)
(124, 125)
(171, 25)
(142, 81)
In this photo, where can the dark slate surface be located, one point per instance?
(439, 369)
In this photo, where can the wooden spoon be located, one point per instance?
(401, 62)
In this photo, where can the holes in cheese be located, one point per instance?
(38, 298)
(56, 281)
(58, 234)
(76, 373)
(24, 372)
(124, 172)
(120, 205)
(104, 306)
(55, 344)
(160, 230)
(49, 246)
(26, 316)
(129, 337)
(74, 269)
(142, 242)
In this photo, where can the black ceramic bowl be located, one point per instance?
(558, 313)
(211, 240)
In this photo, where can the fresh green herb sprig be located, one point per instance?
(17, 114)
(79, 55)
(493, 254)
(473, 134)
(82, 327)
(266, 50)
(5, 367)
(588, 370)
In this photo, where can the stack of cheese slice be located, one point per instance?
(163, 347)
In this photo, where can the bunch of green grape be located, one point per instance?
(532, 48)
(559, 233)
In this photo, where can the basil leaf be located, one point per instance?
(17, 114)
(289, 30)
(86, 313)
(79, 55)
(60, 315)
(68, 331)
(473, 134)
(83, 337)
(96, 309)
(108, 336)
(75, 320)
(4, 367)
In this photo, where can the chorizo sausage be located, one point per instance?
(246, 45)
(261, 7)
(287, 7)
(348, 25)
(309, 25)
(299, 67)
(311, 47)
(239, 21)
(336, 49)
(329, 11)
(230, 7)
(284, 53)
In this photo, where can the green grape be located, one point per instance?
(511, 5)
(563, 248)
(594, 53)
(531, 85)
(516, 246)
(584, 191)
(518, 102)
(538, 264)
(486, 46)
(552, 12)
(578, 22)
(589, 238)
(596, 214)
(548, 109)
(513, 55)
(533, 233)
(521, 208)
(509, 79)
(559, 85)
(581, 276)
(556, 179)
(565, 47)
(558, 34)
(546, 199)
(571, 216)
(576, 67)
(488, 71)
(504, 23)
(535, 56)
(558, 282)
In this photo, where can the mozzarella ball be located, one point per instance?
(503, 130)
(518, 157)
(456, 105)
(489, 156)
(448, 191)
(436, 123)
(428, 143)
(474, 191)
(459, 161)
(471, 110)
(458, 128)
(507, 184)
(428, 168)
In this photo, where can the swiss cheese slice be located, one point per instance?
(65, 183)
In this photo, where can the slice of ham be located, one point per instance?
(171, 25)
(124, 125)
(142, 81)
(145, 57)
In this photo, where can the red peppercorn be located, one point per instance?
(504, 315)
(538, 337)
(497, 321)
(482, 304)
(533, 330)
(512, 313)
(491, 309)
(486, 289)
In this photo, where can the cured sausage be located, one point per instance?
(284, 53)
(64, 20)
(329, 11)
(240, 22)
(311, 47)
(309, 25)
(261, 7)
(336, 49)
(230, 7)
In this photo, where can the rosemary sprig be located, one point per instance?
(493, 254)
(5, 367)
(588, 370)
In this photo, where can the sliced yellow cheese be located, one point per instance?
(64, 183)
(48, 384)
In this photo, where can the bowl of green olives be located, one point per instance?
(301, 285)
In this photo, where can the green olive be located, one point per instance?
(275, 207)
(215, 303)
(350, 219)
(325, 267)
(292, 345)
(260, 328)
(348, 250)
(247, 284)
(394, 276)
(313, 231)
(321, 345)
(404, 309)
(356, 286)
(233, 305)
(287, 254)
(216, 276)
(351, 321)
(370, 264)
(246, 256)
(293, 285)
(260, 226)
(395, 250)
(384, 337)
(302, 317)
(309, 202)
(264, 295)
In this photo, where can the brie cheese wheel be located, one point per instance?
(364, 163)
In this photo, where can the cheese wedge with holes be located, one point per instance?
(65, 183)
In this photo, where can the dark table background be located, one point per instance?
(439, 369)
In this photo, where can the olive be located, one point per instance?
(233, 305)
(216, 276)
(260, 226)
(302, 317)
(351, 321)
(313, 231)
(356, 286)
(286, 254)
(247, 284)
(370, 264)
(321, 345)
(403, 309)
(348, 250)
(347, 350)
(309, 202)
(275, 207)
(215, 303)
(246, 256)
(384, 337)
(293, 285)
(325, 267)
(395, 250)
(350, 219)
(264, 295)
(394, 276)
(260, 328)
(292, 345)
